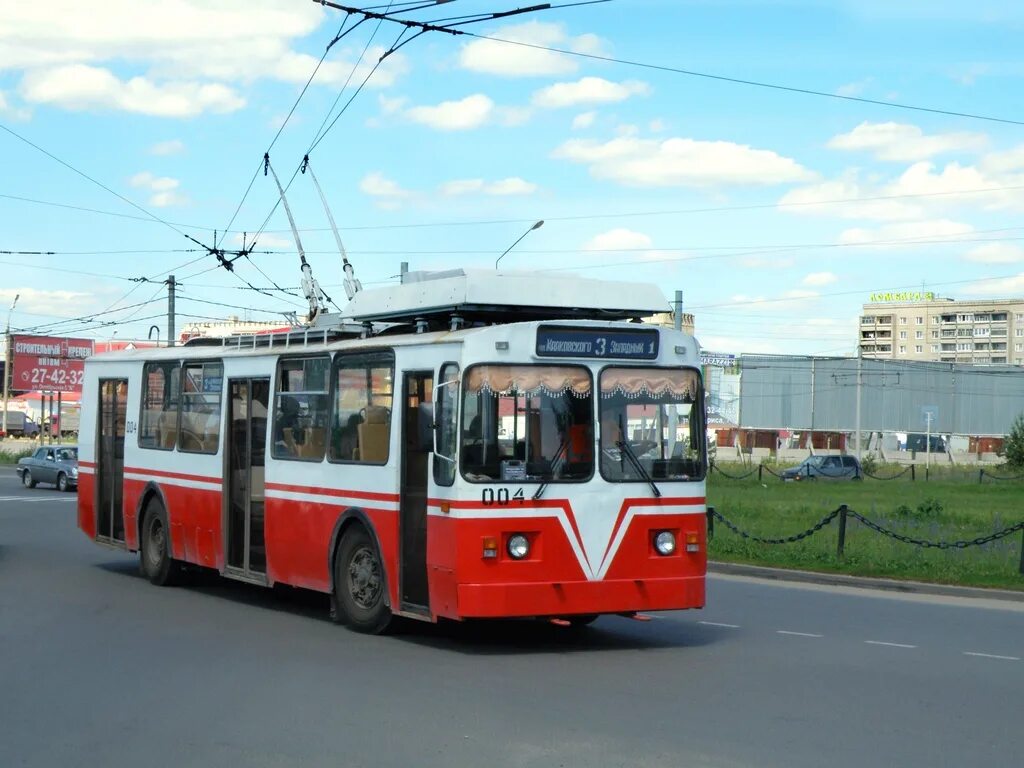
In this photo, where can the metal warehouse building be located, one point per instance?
(823, 394)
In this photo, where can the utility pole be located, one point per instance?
(170, 310)
(860, 381)
(8, 359)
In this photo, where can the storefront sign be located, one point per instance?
(902, 296)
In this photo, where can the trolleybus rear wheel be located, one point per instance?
(155, 546)
(359, 586)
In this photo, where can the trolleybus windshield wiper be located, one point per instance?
(628, 451)
(555, 466)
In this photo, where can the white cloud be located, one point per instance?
(79, 87)
(822, 199)
(1005, 286)
(14, 113)
(295, 67)
(583, 120)
(185, 48)
(56, 303)
(504, 187)
(464, 114)
(588, 90)
(163, 189)
(656, 126)
(820, 278)
(902, 142)
(995, 253)
(619, 239)
(905, 233)
(386, 192)
(171, 147)
(855, 88)
(637, 162)
(1002, 162)
(497, 58)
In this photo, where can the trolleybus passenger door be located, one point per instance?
(244, 477)
(417, 443)
(110, 464)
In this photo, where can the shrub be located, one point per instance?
(869, 464)
(1014, 447)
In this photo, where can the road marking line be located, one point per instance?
(796, 634)
(992, 656)
(891, 645)
(719, 624)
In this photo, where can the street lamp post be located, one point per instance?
(538, 225)
(7, 360)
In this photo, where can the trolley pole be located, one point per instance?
(8, 358)
(170, 310)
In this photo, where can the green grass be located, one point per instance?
(949, 507)
(11, 457)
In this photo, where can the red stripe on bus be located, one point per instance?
(173, 475)
(369, 495)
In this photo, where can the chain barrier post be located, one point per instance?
(841, 545)
(913, 474)
(981, 475)
(927, 472)
(711, 524)
(760, 471)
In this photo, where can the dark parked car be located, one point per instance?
(825, 468)
(55, 464)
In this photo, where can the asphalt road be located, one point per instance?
(98, 668)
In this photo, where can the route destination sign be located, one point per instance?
(641, 344)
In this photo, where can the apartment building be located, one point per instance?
(923, 326)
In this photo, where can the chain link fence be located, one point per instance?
(843, 514)
(811, 473)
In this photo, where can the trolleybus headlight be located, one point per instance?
(665, 542)
(518, 546)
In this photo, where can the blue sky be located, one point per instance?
(726, 191)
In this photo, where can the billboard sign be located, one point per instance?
(49, 363)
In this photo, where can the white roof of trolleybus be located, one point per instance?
(527, 295)
(517, 333)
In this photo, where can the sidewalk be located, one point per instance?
(865, 582)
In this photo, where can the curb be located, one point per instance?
(863, 582)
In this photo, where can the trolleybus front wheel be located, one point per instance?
(359, 586)
(155, 546)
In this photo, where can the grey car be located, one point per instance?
(54, 464)
(825, 468)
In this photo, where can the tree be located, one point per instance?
(1014, 448)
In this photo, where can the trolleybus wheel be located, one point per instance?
(27, 481)
(359, 586)
(155, 546)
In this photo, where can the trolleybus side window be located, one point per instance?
(362, 387)
(301, 408)
(158, 423)
(652, 425)
(527, 423)
(445, 418)
(201, 385)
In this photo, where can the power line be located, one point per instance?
(89, 178)
(754, 83)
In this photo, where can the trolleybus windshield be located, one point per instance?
(527, 423)
(655, 414)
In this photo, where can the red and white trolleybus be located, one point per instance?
(463, 445)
